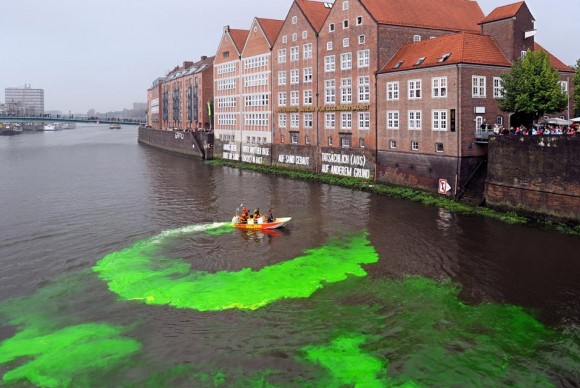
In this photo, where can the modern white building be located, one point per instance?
(25, 101)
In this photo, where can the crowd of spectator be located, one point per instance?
(537, 130)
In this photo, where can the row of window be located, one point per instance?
(439, 147)
(226, 68)
(439, 88)
(295, 53)
(226, 84)
(439, 119)
(257, 100)
(364, 90)
(346, 120)
(363, 61)
(257, 119)
(256, 62)
(226, 102)
(251, 80)
(295, 76)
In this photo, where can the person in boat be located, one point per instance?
(256, 213)
(244, 218)
(270, 216)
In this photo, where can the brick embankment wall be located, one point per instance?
(538, 175)
(192, 144)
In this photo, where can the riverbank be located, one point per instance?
(414, 195)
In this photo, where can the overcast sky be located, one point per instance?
(104, 54)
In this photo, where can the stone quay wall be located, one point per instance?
(192, 144)
(538, 175)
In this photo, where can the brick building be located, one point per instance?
(243, 88)
(227, 86)
(295, 84)
(435, 96)
(180, 99)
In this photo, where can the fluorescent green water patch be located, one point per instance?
(430, 337)
(53, 359)
(347, 363)
(136, 273)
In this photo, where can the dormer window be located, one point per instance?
(416, 38)
(444, 57)
(419, 61)
(398, 64)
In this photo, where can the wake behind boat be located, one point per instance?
(261, 223)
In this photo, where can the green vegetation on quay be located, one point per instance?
(396, 192)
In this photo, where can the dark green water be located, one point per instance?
(118, 269)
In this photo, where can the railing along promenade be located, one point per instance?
(71, 118)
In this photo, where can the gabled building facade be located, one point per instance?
(295, 86)
(227, 91)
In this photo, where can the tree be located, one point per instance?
(577, 89)
(532, 87)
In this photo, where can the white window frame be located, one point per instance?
(329, 63)
(346, 61)
(363, 58)
(346, 91)
(294, 76)
(329, 120)
(364, 120)
(329, 92)
(345, 120)
(393, 91)
(282, 120)
(414, 145)
(439, 87)
(362, 39)
(392, 144)
(294, 120)
(307, 51)
(478, 86)
(563, 86)
(414, 89)
(497, 87)
(307, 97)
(393, 119)
(282, 55)
(364, 89)
(414, 117)
(308, 120)
(345, 5)
(294, 98)
(294, 53)
(439, 120)
(294, 19)
(304, 34)
(281, 77)
(307, 75)
(282, 99)
(329, 45)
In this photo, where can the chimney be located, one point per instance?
(203, 57)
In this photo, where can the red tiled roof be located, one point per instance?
(463, 47)
(315, 11)
(271, 28)
(555, 62)
(239, 37)
(450, 15)
(504, 12)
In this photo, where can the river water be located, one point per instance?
(118, 268)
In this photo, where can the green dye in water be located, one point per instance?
(138, 273)
(55, 358)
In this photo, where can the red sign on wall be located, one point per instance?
(443, 186)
